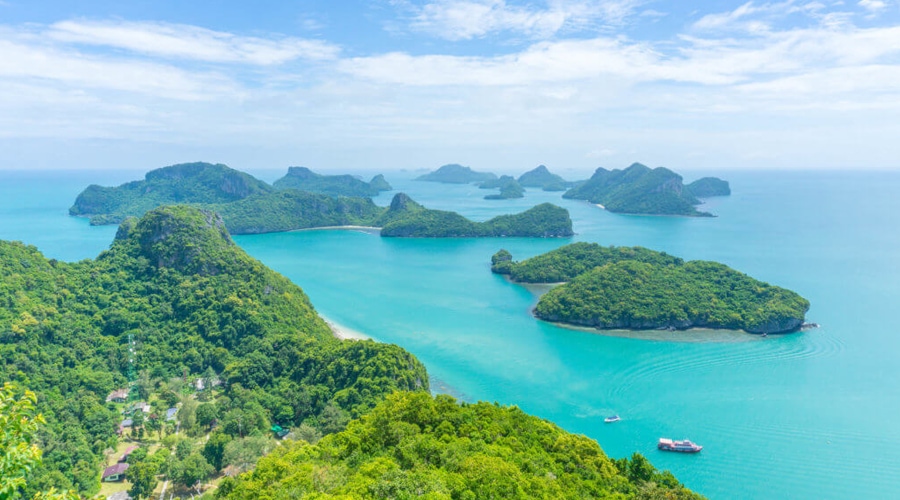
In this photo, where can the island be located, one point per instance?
(640, 289)
(640, 190)
(406, 218)
(708, 187)
(304, 179)
(176, 327)
(456, 174)
(509, 188)
(250, 206)
(541, 177)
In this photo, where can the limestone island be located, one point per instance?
(508, 186)
(635, 288)
(641, 190)
(251, 206)
(305, 179)
(456, 174)
(541, 177)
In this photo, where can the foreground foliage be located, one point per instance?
(637, 288)
(194, 302)
(416, 446)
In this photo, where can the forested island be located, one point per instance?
(641, 190)
(508, 186)
(176, 324)
(640, 289)
(250, 206)
(541, 177)
(304, 179)
(456, 174)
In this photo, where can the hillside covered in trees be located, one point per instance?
(304, 179)
(637, 288)
(641, 190)
(418, 446)
(454, 173)
(541, 177)
(194, 303)
(250, 206)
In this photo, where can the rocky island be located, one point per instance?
(508, 186)
(456, 174)
(304, 179)
(640, 289)
(541, 177)
(639, 189)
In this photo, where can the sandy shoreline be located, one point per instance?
(344, 333)
(364, 229)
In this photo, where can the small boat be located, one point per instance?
(685, 446)
(614, 418)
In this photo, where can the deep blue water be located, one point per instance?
(806, 415)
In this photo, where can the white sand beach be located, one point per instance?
(345, 333)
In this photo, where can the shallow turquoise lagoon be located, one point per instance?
(807, 415)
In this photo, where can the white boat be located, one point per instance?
(614, 418)
(685, 446)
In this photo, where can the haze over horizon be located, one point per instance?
(497, 85)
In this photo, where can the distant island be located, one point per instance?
(641, 190)
(305, 179)
(250, 206)
(509, 188)
(456, 174)
(541, 177)
(640, 289)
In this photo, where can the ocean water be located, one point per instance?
(806, 415)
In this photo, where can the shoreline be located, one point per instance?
(362, 229)
(342, 332)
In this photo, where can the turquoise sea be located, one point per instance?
(807, 415)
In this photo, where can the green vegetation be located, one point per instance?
(194, 303)
(565, 263)
(638, 190)
(304, 179)
(291, 209)
(184, 183)
(509, 188)
(708, 186)
(542, 178)
(456, 174)
(637, 288)
(413, 445)
(406, 218)
(259, 209)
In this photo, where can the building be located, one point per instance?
(117, 396)
(115, 472)
(124, 425)
(119, 495)
(170, 414)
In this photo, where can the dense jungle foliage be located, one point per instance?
(456, 174)
(416, 446)
(304, 179)
(643, 295)
(194, 303)
(638, 190)
(509, 188)
(567, 262)
(543, 221)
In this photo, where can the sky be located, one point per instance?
(498, 85)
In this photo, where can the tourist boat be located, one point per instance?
(685, 446)
(614, 418)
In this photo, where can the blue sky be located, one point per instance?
(499, 85)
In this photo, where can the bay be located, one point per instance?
(806, 415)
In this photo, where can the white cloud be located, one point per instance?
(873, 6)
(468, 19)
(189, 42)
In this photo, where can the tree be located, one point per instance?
(18, 423)
(187, 414)
(206, 414)
(214, 449)
(154, 425)
(143, 478)
(137, 421)
(192, 470)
